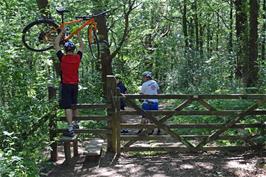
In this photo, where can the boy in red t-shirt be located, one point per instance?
(69, 64)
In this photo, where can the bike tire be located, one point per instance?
(39, 35)
(94, 44)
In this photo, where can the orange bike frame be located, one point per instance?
(90, 22)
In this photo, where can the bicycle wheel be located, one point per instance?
(40, 35)
(93, 43)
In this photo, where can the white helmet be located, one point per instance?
(147, 74)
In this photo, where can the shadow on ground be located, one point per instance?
(211, 164)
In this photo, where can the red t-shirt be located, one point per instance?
(69, 67)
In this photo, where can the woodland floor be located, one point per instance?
(211, 164)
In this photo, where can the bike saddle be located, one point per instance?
(61, 10)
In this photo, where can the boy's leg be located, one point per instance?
(150, 132)
(74, 101)
(69, 117)
(146, 107)
(65, 103)
(142, 120)
(75, 114)
(123, 120)
(156, 107)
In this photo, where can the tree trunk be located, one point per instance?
(230, 43)
(195, 8)
(201, 32)
(263, 43)
(251, 67)
(217, 32)
(43, 6)
(242, 35)
(230, 40)
(209, 40)
(106, 59)
(184, 21)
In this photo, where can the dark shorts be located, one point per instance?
(69, 96)
(122, 104)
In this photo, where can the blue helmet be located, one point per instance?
(69, 46)
(147, 74)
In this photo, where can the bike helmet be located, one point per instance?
(147, 74)
(69, 46)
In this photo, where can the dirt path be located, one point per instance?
(183, 165)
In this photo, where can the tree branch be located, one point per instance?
(126, 29)
(218, 14)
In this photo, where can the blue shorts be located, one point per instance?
(150, 106)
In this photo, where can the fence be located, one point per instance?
(225, 122)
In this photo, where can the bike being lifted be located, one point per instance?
(39, 35)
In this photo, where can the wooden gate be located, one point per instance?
(224, 124)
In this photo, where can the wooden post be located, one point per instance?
(262, 133)
(75, 148)
(109, 114)
(67, 151)
(118, 120)
(52, 125)
(111, 90)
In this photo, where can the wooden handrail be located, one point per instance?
(92, 106)
(187, 96)
(193, 125)
(94, 131)
(189, 113)
(189, 137)
(86, 117)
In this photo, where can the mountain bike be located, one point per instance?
(39, 35)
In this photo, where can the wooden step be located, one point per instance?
(68, 142)
(94, 131)
(69, 139)
(93, 106)
(94, 147)
(86, 117)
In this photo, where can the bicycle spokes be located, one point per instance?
(40, 35)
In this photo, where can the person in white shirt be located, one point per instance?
(149, 87)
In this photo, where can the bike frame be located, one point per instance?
(90, 22)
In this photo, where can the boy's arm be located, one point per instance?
(81, 44)
(158, 89)
(57, 41)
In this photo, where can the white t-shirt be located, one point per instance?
(150, 87)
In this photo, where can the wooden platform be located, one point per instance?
(67, 138)
(94, 147)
